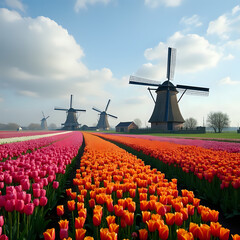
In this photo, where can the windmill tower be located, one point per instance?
(44, 122)
(166, 114)
(71, 122)
(103, 119)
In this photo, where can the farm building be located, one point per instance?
(126, 126)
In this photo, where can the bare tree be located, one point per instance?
(138, 122)
(218, 121)
(190, 123)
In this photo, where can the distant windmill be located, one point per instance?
(103, 120)
(44, 122)
(166, 114)
(71, 122)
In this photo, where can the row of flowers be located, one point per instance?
(30, 186)
(15, 149)
(209, 144)
(216, 174)
(117, 196)
(13, 134)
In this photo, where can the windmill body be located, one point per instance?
(71, 122)
(103, 119)
(166, 114)
(44, 122)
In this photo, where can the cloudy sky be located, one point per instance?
(89, 48)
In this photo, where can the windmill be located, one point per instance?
(166, 114)
(44, 122)
(71, 122)
(103, 119)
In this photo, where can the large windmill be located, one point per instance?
(44, 122)
(103, 119)
(166, 114)
(71, 122)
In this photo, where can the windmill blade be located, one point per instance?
(79, 110)
(107, 105)
(47, 117)
(71, 101)
(61, 109)
(111, 116)
(43, 114)
(143, 81)
(95, 109)
(171, 63)
(193, 90)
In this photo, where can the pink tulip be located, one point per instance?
(36, 186)
(1, 185)
(28, 209)
(18, 188)
(10, 205)
(21, 195)
(3, 237)
(2, 201)
(63, 233)
(26, 185)
(36, 192)
(42, 192)
(43, 201)
(55, 184)
(28, 198)
(19, 205)
(1, 221)
(8, 179)
(36, 202)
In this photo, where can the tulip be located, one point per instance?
(1, 221)
(36, 192)
(144, 205)
(28, 209)
(43, 201)
(132, 207)
(110, 219)
(143, 234)
(36, 202)
(224, 233)
(71, 205)
(151, 225)
(91, 203)
(119, 193)
(97, 219)
(28, 198)
(80, 233)
(82, 213)
(194, 229)
(60, 210)
(19, 205)
(49, 234)
(10, 205)
(213, 215)
(79, 222)
(132, 193)
(113, 227)
(215, 228)
(129, 218)
(110, 206)
(3, 237)
(89, 238)
(178, 218)
(79, 197)
(63, 224)
(160, 209)
(163, 232)
(146, 216)
(118, 210)
(55, 184)
(170, 218)
(235, 237)
(206, 232)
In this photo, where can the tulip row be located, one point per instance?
(30, 186)
(13, 134)
(215, 174)
(117, 196)
(209, 144)
(15, 149)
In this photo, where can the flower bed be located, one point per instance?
(215, 174)
(30, 186)
(209, 144)
(13, 134)
(117, 196)
(15, 149)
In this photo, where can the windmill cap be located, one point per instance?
(167, 85)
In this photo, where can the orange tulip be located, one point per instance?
(119, 193)
(184, 211)
(109, 203)
(143, 234)
(160, 209)
(88, 238)
(60, 210)
(163, 232)
(49, 234)
(129, 218)
(80, 198)
(71, 205)
(132, 193)
(194, 229)
(132, 207)
(151, 225)
(97, 218)
(63, 224)
(170, 218)
(191, 209)
(118, 210)
(91, 203)
(79, 222)
(146, 216)
(213, 215)
(144, 205)
(113, 227)
(178, 218)
(68, 191)
(224, 233)
(143, 196)
(80, 205)
(236, 237)
(104, 233)
(215, 228)
(82, 213)
(206, 232)
(182, 234)
(205, 215)
(110, 219)
(80, 233)
(73, 195)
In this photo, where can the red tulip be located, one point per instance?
(49, 234)
(60, 210)
(80, 234)
(163, 232)
(97, 219)
(224, 233)
(79, 222)
(143, 234)
(71, 205)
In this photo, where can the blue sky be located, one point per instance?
(89, 48)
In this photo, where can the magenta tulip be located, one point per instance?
(1, 221)
(10, 205)
(28, 209)
(36, 202)
(55, 184)
(19, 205)
(43, 201)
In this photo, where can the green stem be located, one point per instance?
(18, 223)
(10, 224)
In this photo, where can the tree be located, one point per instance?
(138, 122)
(34, 126)
(52, 126)
(218, 121)
(190, 123)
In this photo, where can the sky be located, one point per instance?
(89, 48)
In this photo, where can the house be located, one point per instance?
(126, 126)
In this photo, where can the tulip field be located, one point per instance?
(80, 186)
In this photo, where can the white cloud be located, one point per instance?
(1, 99)
(40, 58)
(16, 4)
(194, 53)
(191, 21)
(228, 81)
(226, 25)
(83, 3)
(167, 3)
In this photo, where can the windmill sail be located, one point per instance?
(143, 81)
(171, 63)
